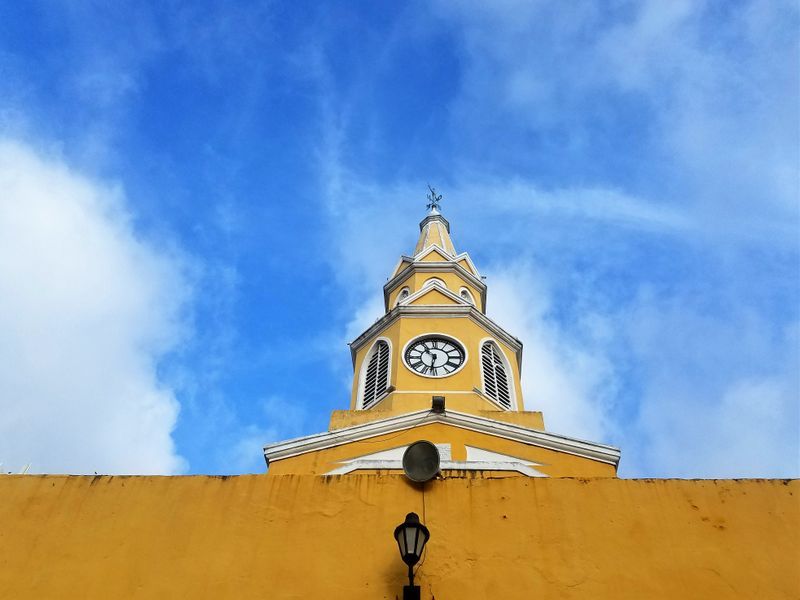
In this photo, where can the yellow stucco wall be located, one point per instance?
(306, 537)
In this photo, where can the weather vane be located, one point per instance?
(433, 198)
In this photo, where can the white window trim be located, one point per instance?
(432, 280)
(363, 372)
(430, 334)
(400, 295)
(470, 299)
(512, 384)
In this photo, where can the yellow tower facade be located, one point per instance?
(435, 367)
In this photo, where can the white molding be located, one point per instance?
(362, 372)
(434, 392)
(478, 459)
(430, 335)
(433, 267)
(434, 217)
(532, 437)
(440, 311)
(463, 289)
(426, 288)
(433, 281)
(455, 258)
(398, 300)
(433, 247)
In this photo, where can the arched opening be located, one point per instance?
(433, 280)
(404, 293)
(496, 378)
(467, 295)
(375, 378)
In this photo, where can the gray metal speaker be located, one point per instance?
(421, 461)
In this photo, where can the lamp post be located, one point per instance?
(411, 536)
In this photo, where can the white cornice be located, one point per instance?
(438, 310)
(533, 437)
(436, 217)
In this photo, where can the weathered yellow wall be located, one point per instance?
(306, 537)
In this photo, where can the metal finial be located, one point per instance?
(433, 199)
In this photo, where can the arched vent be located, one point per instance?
(495, 378)
(376, 379)
(433, 280)
(404, 293)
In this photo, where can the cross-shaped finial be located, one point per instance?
(433, 199)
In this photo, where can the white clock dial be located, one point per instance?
(434, 356)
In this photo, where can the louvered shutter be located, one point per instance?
(376, 379)
(495, 379)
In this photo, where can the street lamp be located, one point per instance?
(411, 536)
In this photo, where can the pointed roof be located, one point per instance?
(434, 230)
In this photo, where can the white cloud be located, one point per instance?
(719, 396)
(561, 376)
(87, 309)
(689, 379)
(719, 90)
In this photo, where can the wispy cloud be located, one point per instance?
(87, 309)
(653, 287)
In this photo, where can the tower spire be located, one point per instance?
(434, 230)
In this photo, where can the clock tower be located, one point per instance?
(434, 367)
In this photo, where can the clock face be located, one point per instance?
(434, 356)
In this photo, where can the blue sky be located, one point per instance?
(200, 202)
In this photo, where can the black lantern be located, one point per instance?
(411, 537)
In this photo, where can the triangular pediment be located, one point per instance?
(465, 262)
(404, 263)
(514, 437)
(477, 459)
(434, 255)
(434, 294)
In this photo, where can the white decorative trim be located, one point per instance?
(455, 258)
(463, 290)
(385, 459)
(427, 287)
(433, 248)
(440, 311)
(400, 295)
(436, 392)
(434, 281)
(431, 334)
(466, 257)
(532, 437)
(434, 217)
(362, 372)
(511, 379)
(433, 267)
(477, 460)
